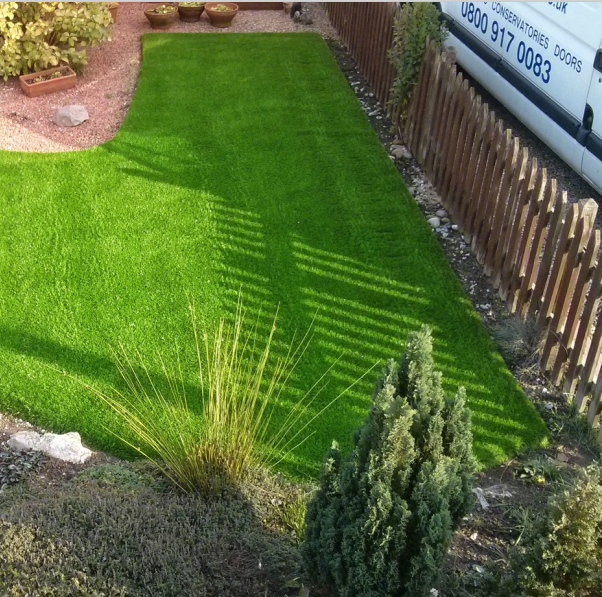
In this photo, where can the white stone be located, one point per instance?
(401, 152)
(434, 222)
(497, 491)
(481, 497)
(72, 115)
(454, 226)
(67, 447)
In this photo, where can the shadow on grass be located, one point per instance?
(363, 310)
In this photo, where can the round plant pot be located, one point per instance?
(158, 20)
(113, 6)
(190, 14)
(221, 18)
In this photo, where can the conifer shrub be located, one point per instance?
(561, 554)
(38, 35)
(382, 518)
(416, 22)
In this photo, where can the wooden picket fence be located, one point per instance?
(541, 254)
(366, 28)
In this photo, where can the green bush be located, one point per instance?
(382, 519)
(38, 35)
(416, 22)
(90, 538)
(562, 554)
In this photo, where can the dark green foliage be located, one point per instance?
(382, 519)
(416, 22)
(561, 555)
(95, 538)
(16, 464)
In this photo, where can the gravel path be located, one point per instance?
(109, 81)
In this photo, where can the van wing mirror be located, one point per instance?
(598, 61)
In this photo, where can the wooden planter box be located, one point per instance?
(51, 85)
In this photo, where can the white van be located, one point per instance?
(543, 61)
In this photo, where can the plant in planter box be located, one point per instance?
(190, 12)
(161, 16)
(48, 81)
(221, 13)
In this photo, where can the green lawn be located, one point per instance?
(245, 161)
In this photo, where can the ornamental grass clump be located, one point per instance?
(216, 437)
(37, 35)
(382, 518)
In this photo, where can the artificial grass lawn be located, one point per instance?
(245, 162)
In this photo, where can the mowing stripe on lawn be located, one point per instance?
(245, 162)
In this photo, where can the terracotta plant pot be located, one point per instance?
(221, 18)
(66, 81)
(161, 20)
(190, 14)
(113, 6)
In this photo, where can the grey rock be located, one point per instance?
(434, 222)
(454, 226)
(441, 213)
(497, 491)
(72, 115)
(401, 152)
(481, 498)
(67, 447)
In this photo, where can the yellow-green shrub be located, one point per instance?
(38, 35)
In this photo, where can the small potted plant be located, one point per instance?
(221, 13)
(47, 81)
(113, 6)
(190, 12)
(161, 16)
